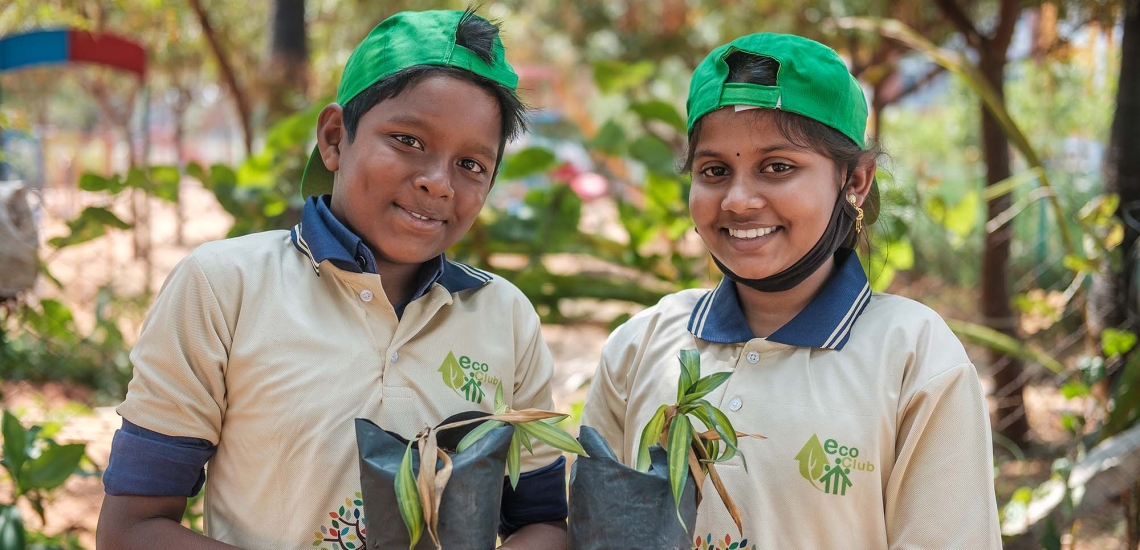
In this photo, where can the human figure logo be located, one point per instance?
(466, 376)
(816, 466)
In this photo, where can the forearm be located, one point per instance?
(124, 525)
(538, 536)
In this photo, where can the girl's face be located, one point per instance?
(759, 202)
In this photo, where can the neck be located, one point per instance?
(766, 312)
(399, 281)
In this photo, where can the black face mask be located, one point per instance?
(837, 232)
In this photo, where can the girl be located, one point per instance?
(876, 425)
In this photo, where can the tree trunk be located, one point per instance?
(287, 68)
(228, 74)
(1121, 176)
(1009, 382)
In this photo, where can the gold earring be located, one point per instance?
(859, 216)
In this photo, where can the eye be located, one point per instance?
(714, 172)
(473, 166)
(777, 167)
(409, 141)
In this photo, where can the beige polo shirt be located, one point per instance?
(877, 429)
(260, 349)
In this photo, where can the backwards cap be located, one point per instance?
(405, 40)
(812, 81)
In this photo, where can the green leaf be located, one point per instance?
(54, 465)
(1074, 389)
(90, 224)
(514, 460)
(649, 437)
(526, 438)
(690, 371)
(1077, 263)
(529, 161)
(704, 386)
(553, 436)
(723, 427)
(812, 458)
(616, 76)
(986, 336)
(660, 110)
(408, 498)
(679, 441)
(12, 535)
(15, 441)
(196, 171)
(1116, 342)
(164, 183)
(96, 183)
(610, 139)
(452, 372)
(477, 434)
(654, 154)
(500, 403)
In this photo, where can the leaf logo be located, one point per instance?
(812, 458)
(452, 373)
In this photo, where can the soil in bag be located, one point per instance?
(613, 506)
(469, 509)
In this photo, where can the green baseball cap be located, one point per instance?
(405, 40)
(812, 81)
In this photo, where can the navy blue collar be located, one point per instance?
(825, 322)
(321, 236)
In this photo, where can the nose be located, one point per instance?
(740, 196)
(435, 181)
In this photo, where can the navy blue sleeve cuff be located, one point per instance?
(147, 463)
(540, 497)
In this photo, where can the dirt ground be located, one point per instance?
(83, 269)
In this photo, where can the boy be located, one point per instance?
(261, 350)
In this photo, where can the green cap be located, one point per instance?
(405, 40)
(812, 81)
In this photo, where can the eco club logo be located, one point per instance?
(817, 465)
(466, 376)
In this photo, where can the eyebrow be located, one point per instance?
(482, 149)
(418, 122)
(709, 153)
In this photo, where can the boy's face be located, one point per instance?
(418, 171)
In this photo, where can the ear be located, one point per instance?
(331, 133)
(861, 179)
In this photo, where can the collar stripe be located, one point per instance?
(698, 310)
(299, 242)
(825, 323)
(847, 331)
(844, 327)
(473, 272)
(708, 309)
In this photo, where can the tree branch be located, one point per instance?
(960, 21)
(914, 86)
(1003, 34)
(227, 73)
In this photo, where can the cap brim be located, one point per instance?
(317, 180)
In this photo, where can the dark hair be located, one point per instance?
(475, 34)
(798, 129)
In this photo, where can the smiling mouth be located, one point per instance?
(419, 216)
(753, 233)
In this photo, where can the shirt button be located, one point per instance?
(395, 355)
(360, 261)
(753, 357)
(366, 295)
(735, 404)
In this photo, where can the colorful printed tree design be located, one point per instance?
(726, 543)
(347, 531)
